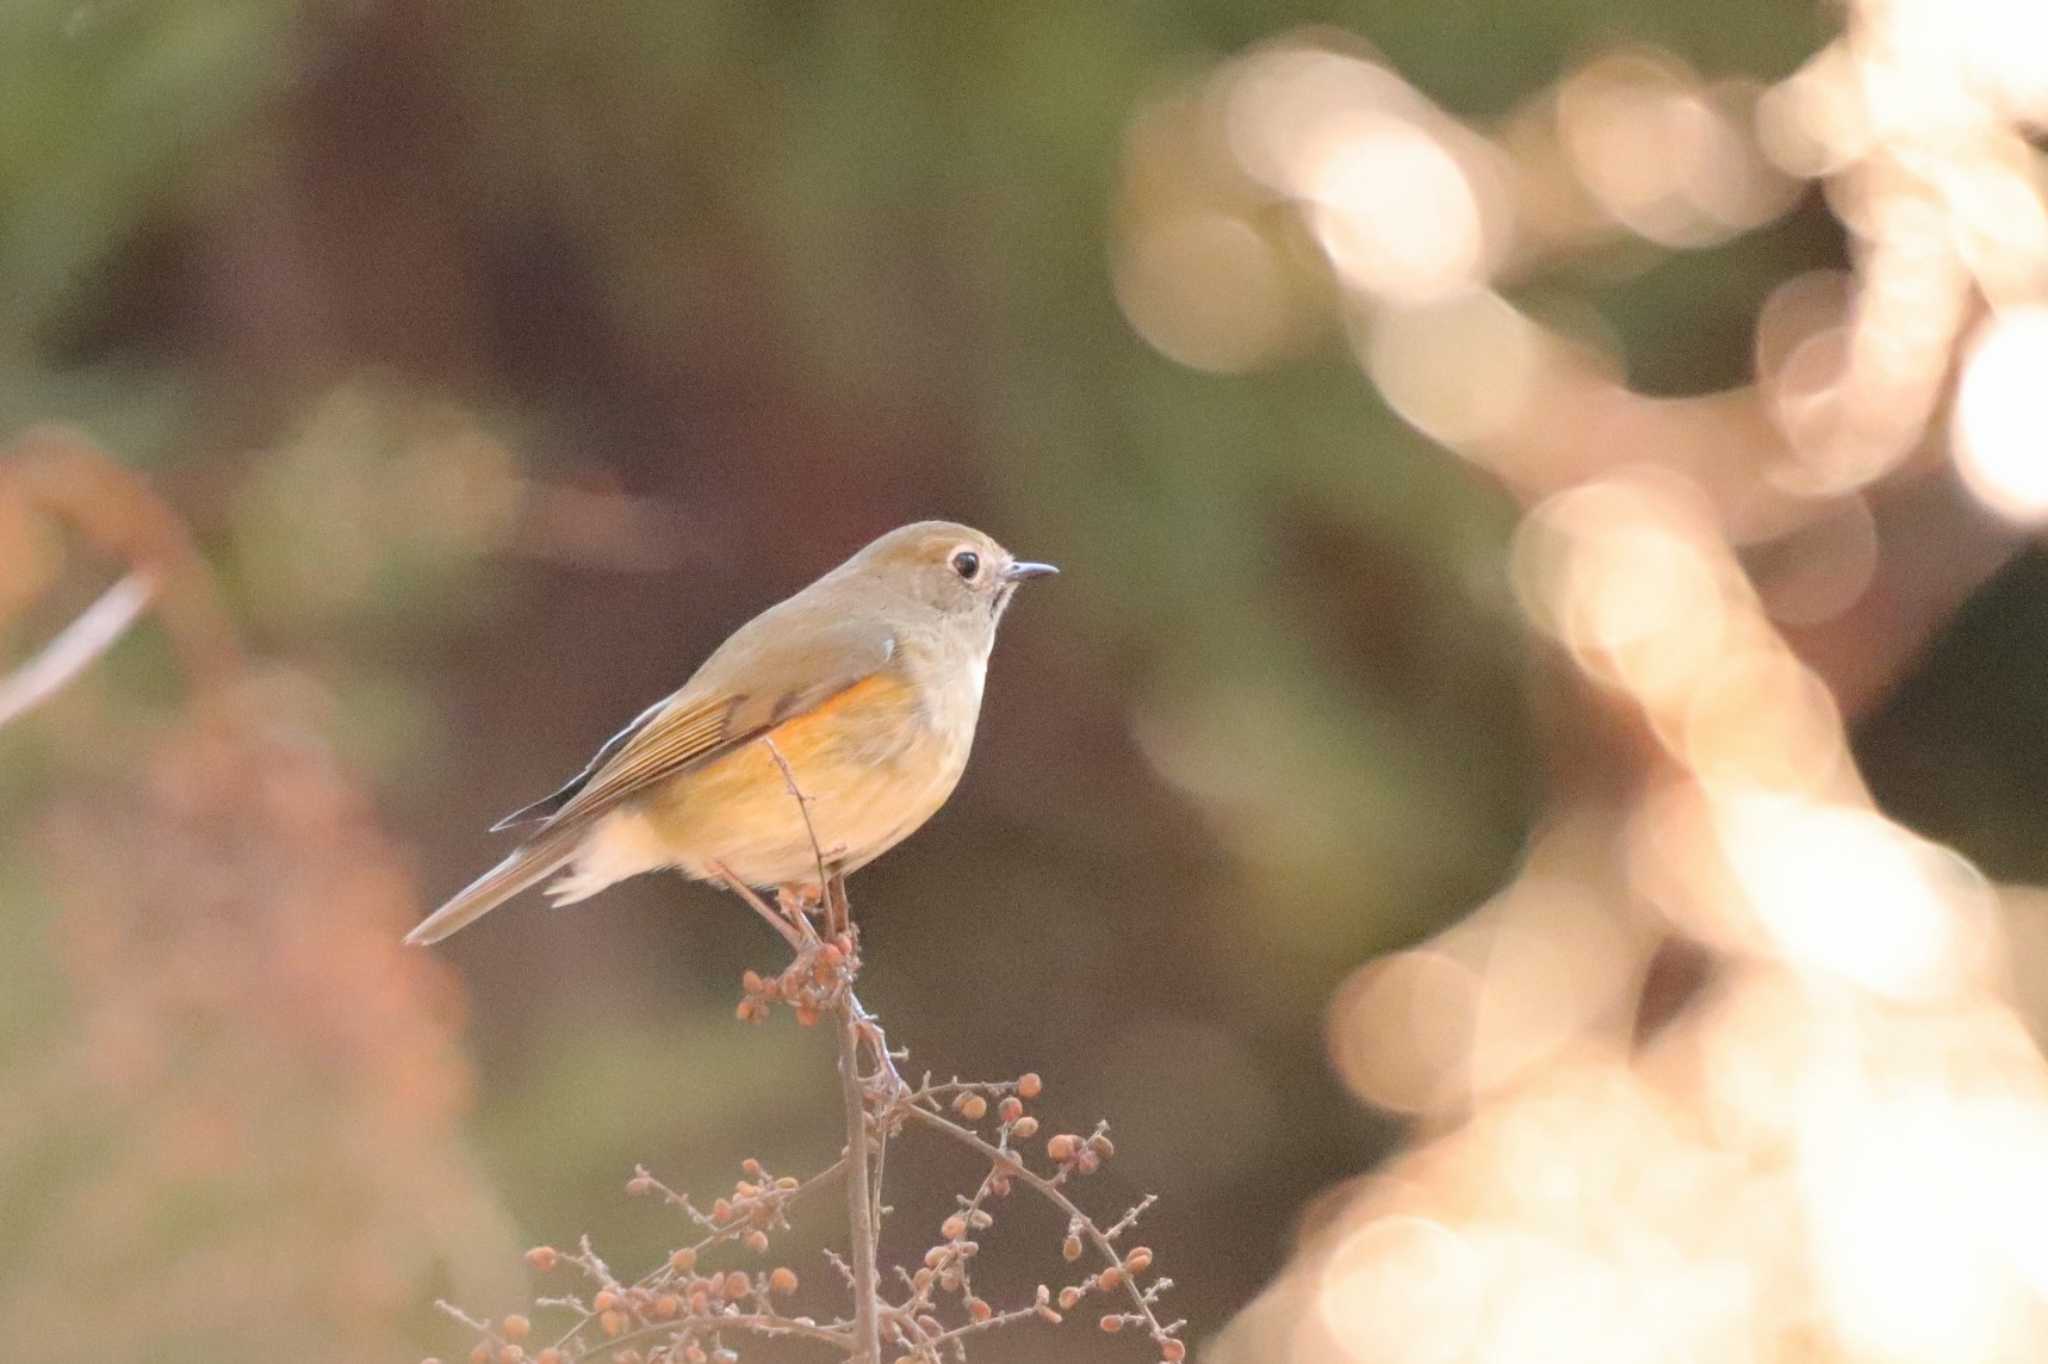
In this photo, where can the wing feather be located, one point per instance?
(715, 713)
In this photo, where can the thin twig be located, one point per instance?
(77, 646)
(861, 1155)
(1012, 1164)
(859, 1199)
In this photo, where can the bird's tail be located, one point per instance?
(530, 863)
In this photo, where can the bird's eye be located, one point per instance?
(967, 563)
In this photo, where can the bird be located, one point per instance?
(821, 734)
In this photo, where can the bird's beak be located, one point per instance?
(1017, 573)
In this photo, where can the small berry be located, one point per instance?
(1173, 1351)
(1139, 1260)
(543, 1258)
(605, 1300)
(1112, 1323)
(721, 1211)
(1102, 1146)
(782, 1280)
(668, 1307)
(611, 1323)
(1025, 1128)
(979, 1309)
(511, 1354)
(1069, 1297)
(1062, 1147)
(683, 1261)
(1071, 1247)
(974, 1108)
(1030, 1086)
(480, 1355)
(736, 1285)
(1010, 1109)
(639, 1185)
(753, 1167)
(1110, 1278)
(548, 1356)
(954, 1227)
(516, 1327)
(756, 1241)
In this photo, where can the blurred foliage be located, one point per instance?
(504, 356)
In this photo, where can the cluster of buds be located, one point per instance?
(810, 985)
(759, 1203)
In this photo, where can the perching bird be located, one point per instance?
(867, 683)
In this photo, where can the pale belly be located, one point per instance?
(865, 793)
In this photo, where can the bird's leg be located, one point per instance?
(799, 902)
(838, 913)
(760, 907)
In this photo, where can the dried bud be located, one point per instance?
(1071, 1247)
(683, 1261)
(1173, 1351)
(980, 1220)
(1010, 1109)
(1062, 1147)
(954, 1227)
(753, 1167)
(1139, 1260)
(1110, 1279)
(516, 1327)
(1112, 1323)
(936, 1256)
(789, 1184)
(543, 1258)
(743, 1189)
(806, 1016)
(1087, 1162)
(973, 1107)
(1025, 1128)
(1069, 1296)
(782, 1281)
(737, 1284)
(639, 1185)
(1029, 1085)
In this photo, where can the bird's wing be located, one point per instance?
(758, 679)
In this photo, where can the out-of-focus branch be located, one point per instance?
(60, 472)
(76, 647)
